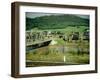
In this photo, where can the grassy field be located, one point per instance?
(66, 30)
(75, 52)
(58, 29)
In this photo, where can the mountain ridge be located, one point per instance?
(55, 22)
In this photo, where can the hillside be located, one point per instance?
(55, 22)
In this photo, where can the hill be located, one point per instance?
(55, 22)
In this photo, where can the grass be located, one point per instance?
(66, 30)
(56, 54)
(79, 59)
(45, 57)
(70, 58)
(75, 53)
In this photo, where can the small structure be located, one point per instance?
(53, 42)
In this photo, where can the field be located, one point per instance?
(57, 39)
(62, 53)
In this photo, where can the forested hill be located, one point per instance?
(55, 22)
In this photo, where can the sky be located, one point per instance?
(35, 14)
